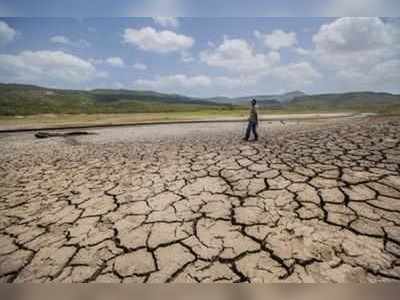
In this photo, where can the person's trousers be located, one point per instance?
(251, 127)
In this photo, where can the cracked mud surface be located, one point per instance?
(309, 202)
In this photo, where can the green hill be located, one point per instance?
(357, 101)
(17, 99)
(27, 99)
(266, 100)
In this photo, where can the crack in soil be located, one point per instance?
(311, 202)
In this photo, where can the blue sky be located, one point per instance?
(199, 56)
(195, 8)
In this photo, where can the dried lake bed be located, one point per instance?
(311, 201)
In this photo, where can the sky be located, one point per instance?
(199, 56)
(196, 8)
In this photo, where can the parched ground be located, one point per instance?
(310, 202)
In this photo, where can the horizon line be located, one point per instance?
(198, 97)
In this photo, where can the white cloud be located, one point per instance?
(7, 34)
(46, 67)
(295, 75)
(118, 85)
(115, 62)
(210, 44)
(277, 39)
(387, 72)
(140, 67)
(292, 76)
(381, 77)
(167, 21)
(174, 82)
(358, 49)
(238, 55)
(258, 34)
(149, 39)
(203, 85)
(102, 74)
(350, 35)
(231, 83)
(255, 70)
(302, 51)
(357, 53)
(96, 61)
(82, 43)
(186, 57)
(60, 39)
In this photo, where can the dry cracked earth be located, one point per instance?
(316, 201)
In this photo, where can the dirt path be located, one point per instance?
(310, 202)
(104, 121)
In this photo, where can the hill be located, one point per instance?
(265, 100)
(357, 101)
(18, 99)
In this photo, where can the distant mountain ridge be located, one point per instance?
(279, 98)
(20, 99)
(361, 101)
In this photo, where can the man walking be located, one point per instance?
(253, 122)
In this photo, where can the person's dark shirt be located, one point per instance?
(253, 114)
